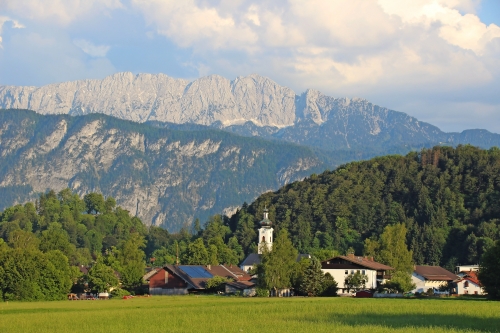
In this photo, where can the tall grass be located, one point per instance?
(232, 314)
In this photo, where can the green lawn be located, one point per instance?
(234, 314)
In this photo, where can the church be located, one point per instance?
(265, 241)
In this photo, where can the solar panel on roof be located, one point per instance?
(196, 272)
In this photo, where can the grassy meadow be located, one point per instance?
(235, 314)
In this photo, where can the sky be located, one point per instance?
(436, 60)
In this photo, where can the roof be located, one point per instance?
(254, 259)
(470, 276)
(149, 274)
(230, 272)
(84, 270)
(435, 273)
(241, 284)
(345, 261)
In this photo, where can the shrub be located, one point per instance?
(118, 293)
(261, 292)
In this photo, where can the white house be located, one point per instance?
(341, 267)
(468, 284)
(431, 277)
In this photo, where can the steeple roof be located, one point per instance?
(266, 222)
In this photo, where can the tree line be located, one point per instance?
(439, 206)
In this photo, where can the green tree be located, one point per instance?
(312, 279)
(216, 283)
(94, 203)
(355, 281)
(489, 271)
(393, 250)
(131, 259)
(196, 253)
(277, 266)
(101, 277)
(328, 286)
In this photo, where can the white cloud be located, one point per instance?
(15, 24)
(383, 50)
(91, 49)
(57, 11)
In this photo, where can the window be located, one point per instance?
(347, 271)
(352, 271)
(166, 277)
(363, 272)
(466, 284)
(263, 239)
(357, 271)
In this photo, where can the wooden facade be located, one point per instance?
(166, 283)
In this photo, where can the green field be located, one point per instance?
(235, 314)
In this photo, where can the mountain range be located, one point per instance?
(249, 106)
(165, 153)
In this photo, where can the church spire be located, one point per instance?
(265, 233)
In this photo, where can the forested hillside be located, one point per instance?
(449, 200)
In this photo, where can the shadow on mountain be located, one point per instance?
(417, 320)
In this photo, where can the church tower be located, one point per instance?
(265, 233)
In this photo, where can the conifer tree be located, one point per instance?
(312, 278)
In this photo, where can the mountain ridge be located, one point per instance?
(311, 118)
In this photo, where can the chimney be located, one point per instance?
(350, 255)
(209, 267)
(371, 258)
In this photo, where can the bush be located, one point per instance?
(261, 292)
(118, 293)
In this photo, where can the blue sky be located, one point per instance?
(437, 60)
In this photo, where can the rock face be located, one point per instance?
(166, 177)
(249, 106)
(146, 97)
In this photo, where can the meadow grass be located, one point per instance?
(235, 314)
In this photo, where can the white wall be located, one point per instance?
(471, 289)
(339, 276)
(423, 285)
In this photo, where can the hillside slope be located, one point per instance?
(449, 200)
(166, 177)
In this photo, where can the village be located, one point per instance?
(427, 280)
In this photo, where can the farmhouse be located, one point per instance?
(183, 279)
(468, 283)
(341, 267)
(431, 277)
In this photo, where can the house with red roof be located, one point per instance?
(431, 277)
(341, 267)
(183, 279)
(468, 284)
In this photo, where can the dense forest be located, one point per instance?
(447, 199)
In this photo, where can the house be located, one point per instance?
(431, 277)
(466, 268)
(183, 279)
(341, 267)
(468, 284)
(244, 288)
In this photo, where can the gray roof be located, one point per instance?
(252, 259)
